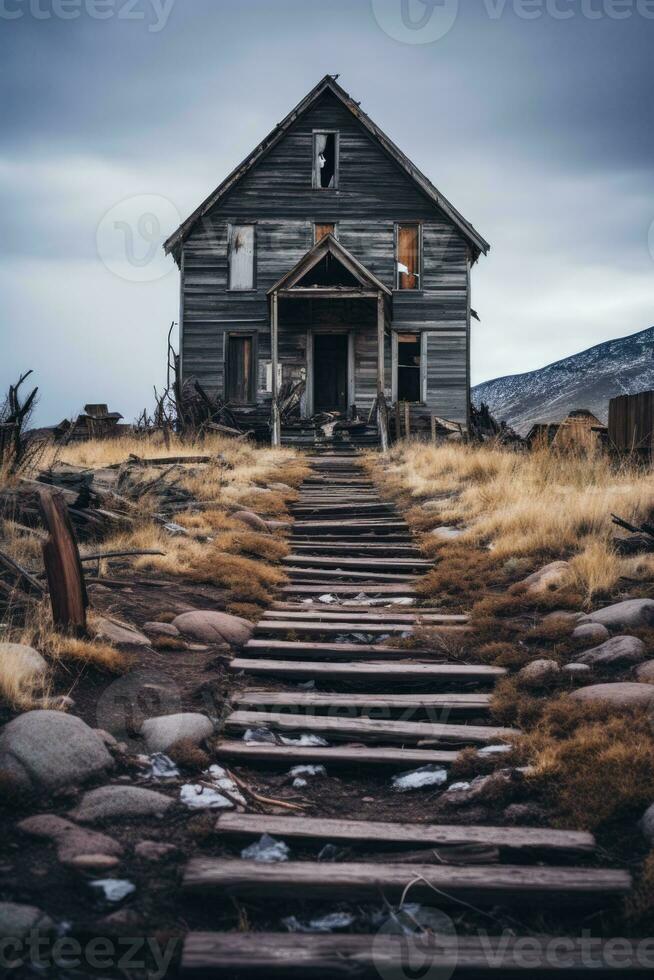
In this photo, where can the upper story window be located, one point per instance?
(323, 228)
(241, 257)
(408, 256)
(325, 160)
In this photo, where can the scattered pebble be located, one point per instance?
(419, 778)
(113, 889)
(267, 850)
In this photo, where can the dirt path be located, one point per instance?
(321, 685)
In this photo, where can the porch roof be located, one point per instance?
(368, 283)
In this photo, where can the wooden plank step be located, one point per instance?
(296, 956)
(269, 627)
(364, 548)
(447, 885)
(375, 591)
(338, 651)
(349, 605)
(347, 540)
(327, 614)
(532, 841)
(371, 730)
(324, 574)
(365, 703)
(395, 670)
(339, 524)
(344, 756)
(360, 564)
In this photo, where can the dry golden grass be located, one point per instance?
(21, 687)
(541, 504)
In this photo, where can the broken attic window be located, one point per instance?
(241, 257)
(408, 367)
(325, 154)
(407, 259)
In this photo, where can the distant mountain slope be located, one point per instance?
(586, 380)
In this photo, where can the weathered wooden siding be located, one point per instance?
(373, 194)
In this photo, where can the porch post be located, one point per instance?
(276, 421)
(382, 408)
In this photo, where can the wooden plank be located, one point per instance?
(365, 703)
(327, 614)
(438, 885)
(360, 564)
(271, 956)
(394, 670)
(398, 591)
(333, 755)
(524, 840)
(272, 627)
(370, 730)
(341, 651)
(325, 574)
(349, 605)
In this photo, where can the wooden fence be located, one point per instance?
(631, 423)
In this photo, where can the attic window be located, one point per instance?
(241, 257)
(322, 229)
(325, 160)
(407, 257)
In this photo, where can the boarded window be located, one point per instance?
(407, 258)
(240, 370)
(325, 160)
(321, 230)
(241, 257)
(409, 364)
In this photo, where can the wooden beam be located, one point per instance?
(393, 670)
(63, 567)
(274, 353)
(343, 756)
(303, 700)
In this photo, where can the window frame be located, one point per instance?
(253, 336)
(315, 170)
(230, 230)
(396, 240)
(395, 363)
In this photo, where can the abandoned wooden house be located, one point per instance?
(326, 259)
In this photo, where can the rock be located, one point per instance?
(208, 626)
(107, 738)
(120, 803)
(152, 850)
(645, 672)
(622, 694)
(44, 750)
(119, 635)
(419, 778)
(562, 617)
(160, 629)
(280, 487)
(447, 533)
(72, 842)
(524, 813)
(590, 633)
(630, 613)
(620, 651)
(266, 850)
(22, 660)
(538, 673)
(646, 824)
(252, 520)
(18, 921)
(576, 669)
(94, 862)
(481, 789)
(162, 732)
(61, 702)
(546, 579)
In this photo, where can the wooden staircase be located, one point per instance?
(379, 707)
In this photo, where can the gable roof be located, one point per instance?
(329, 84)
(328, 245)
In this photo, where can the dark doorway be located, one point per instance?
(240, 370)
(330, 372)
(408, 367)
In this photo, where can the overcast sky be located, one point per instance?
(533, 116)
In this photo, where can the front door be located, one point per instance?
(330, 372)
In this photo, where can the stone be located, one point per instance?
(621, 694)
(620, 651)
(207, 626)
(576, 669)
(645, 672)
(630, 613)
(18, 921)
(162, 732)
(280, 487)
(119, 634)
(483, 788)
(22, 660)
(590, 633)
(120, 803)
(562, 617)
(547, 579)
(44, 750)
(538, 672)
(646, 824)
(252, 520)
(447, 533)
(524, 813)
(160, 629)
(107, 738)
(94, 862)
(72, 842)
(152, 850)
